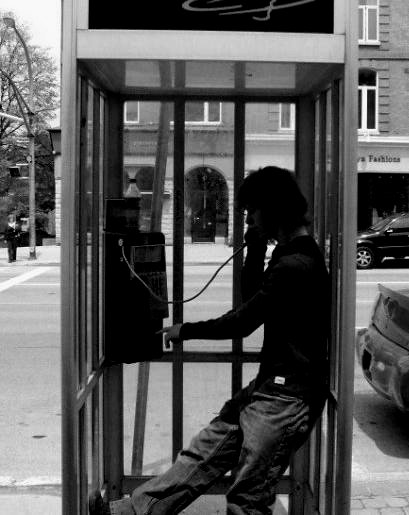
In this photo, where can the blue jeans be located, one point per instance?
(254, 435)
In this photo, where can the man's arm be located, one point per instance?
(237, 323)
(268, 303)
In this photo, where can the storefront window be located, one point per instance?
(381, 195)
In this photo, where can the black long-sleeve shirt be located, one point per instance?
(291, 298)
(12, 233)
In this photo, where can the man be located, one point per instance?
(257, 430)
(12, 235)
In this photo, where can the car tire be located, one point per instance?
(365, 258)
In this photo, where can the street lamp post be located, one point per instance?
(9, 22)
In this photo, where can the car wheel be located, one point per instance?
(365, 258)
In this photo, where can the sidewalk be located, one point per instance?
(194, 254)
(46, 255)
(380, 497)
(46, 501)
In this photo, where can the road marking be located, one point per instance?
(215, 303)
(39, 284)
(383, 282)
(30, 481)
(23, 277)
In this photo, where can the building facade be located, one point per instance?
(383, 133)
(209, 149)
(383, 136)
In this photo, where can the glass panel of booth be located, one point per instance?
(81, 458)
(89, 440)
(328, 164)
(157, 448)
(90, 443)
(201, 77)
(92, 214)
(148, 146)
(323, 457)
(329, 172)
(148, 149)
(88, 215)
(89, 194)
(100, 193)
(206, 386)
(208, 217)
(265, 146)
(89, 204)
(84, 200)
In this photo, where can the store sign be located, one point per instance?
(379, 158)
(308, 16)
(383, 160)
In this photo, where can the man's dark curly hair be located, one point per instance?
(276, 193)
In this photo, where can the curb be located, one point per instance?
(30, 263)
(54, 263)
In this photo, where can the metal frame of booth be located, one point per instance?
(92, 110)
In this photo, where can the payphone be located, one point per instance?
(136, 296)
(135, 286)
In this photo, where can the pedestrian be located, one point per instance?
(12, 235)
(256, 431)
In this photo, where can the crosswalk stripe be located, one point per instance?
(23, 277)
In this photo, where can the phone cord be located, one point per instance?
(183, 301)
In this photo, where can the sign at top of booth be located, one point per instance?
(306, 16)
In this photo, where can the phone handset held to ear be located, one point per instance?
(151, 292)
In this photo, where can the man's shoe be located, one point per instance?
(96, 504)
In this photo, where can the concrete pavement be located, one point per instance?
(46, 255)
(378, 497)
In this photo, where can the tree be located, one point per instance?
(13, 134)
(13, 63)
(14, 190)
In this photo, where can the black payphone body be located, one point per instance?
(135, 287)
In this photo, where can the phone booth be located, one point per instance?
(161, 121)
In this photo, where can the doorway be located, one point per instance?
(206, 205)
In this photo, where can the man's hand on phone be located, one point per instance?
(172, 333)
(253, 239)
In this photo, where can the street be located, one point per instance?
(30, 412)
(381, 431)
(30, 381)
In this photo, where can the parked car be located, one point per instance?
(383, 348)
(387, 238)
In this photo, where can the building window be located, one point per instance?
(287, 117)
(368, 101)
(203, 112)
(368, 22)
(131, 112)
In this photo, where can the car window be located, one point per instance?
(382, 223)
(401, 223)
